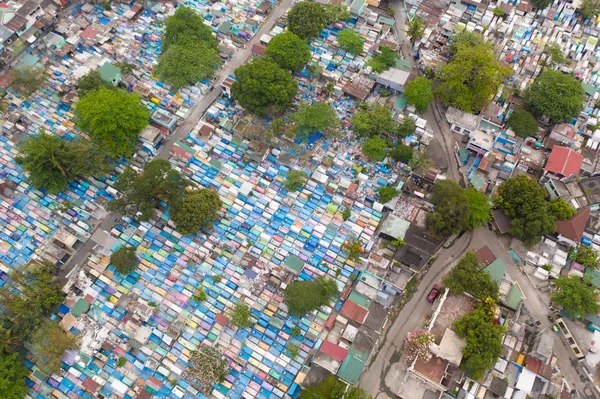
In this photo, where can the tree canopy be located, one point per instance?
(12, 377)
(186, 64)
(49, 343)
(483, 341)
(262, 86)
(585, 256)
(143, 192)
(241, 316)
(387, 193)
(288, 51)
(384, 60)
(589, 8)
(415, 29)
(206, 368)
(124, 260)
(316, 117)
(406, 127)
(185, 27)
(354, 248)
(113, 119)
(402, 153)
(333, 388)
(523, 123)
(472, 76)
(374, 148)
(294, 180)
(350, 41)
(372, 122)
(556, 95)
(481, 212)
(198, 210)
(419, 93)
(26, 79)
(307, 19)
(555, 53)
(524, 201)
(89, 82)
(541, 4)
(560, 209)
(302, 297)
(469, 276)
(576, 297)
(53, 162)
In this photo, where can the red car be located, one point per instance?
(433, 294)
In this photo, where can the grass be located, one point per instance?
(410, 288)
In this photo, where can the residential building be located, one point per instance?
(461, 122)
(563, 163)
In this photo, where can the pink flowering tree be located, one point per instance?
(417, 346)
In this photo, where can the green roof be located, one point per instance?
(356, 6)
(386, 20)
(497, 269)
(400, 102)
(294, 263)
(589, 89)
(514, 297)
(184, 146)
(463, 154)
(594, 276)
(80, 307)
(403, 64)
(477, 181)
(110, 73)
(351, 369)
(359, 299)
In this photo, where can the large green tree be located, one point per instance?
(197, 211)
(419, 93)
(556, 95)
(27, 79)
(89, 82)
(374, 148)
(483, 340)
(288, 51)
(585, 256)
(524, 201)
(333, 388)
(186, 64)
(241, 316)
(12, 377)
(384, 60)
(415, 29)
(113, 119)
(541, 4)
(387, 193)
(53, 162)
(589, 8)
(576, 297)
(302, 297)
(262, 86)
(316, 117)
(560, 209)
(40, 296)
(350, 41)
(307, 19)
(185, 27)
(294, 180)
(402, 153)
(406, 127)
(49, 343)
(451, 212)
(472, 76)
(124, 260)
(523, 123)
(481, 212)
(373, 122)
(143, 192)
(469, 276)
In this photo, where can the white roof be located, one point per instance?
(526, 380)
(450, 348)
(395, 75)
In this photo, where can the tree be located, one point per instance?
(241, 316)
(333, 388)
(451, 212)
(89, 82)
(350, 41)
(294, 179)
(12, 377)
(469, 276)
(124, 260)
(415, 30)
(113, 118)
(53, 162)
(374, 148)
(421, 162)
(288, 51)
(143, 192)
(555, 53)
(27, 79)
(589, 8)
(384, 60)
(354, 248)
(523, 123)
(302, 297)
(416, 346)
(479, 203)
(483, 340)
(406, 127)
(541, 4)
(307, 19)
(206, 368)
(387, 193)
(9, 342)
(316, 117)
(49, 343)
(346, 214)
(262, 86)
(187, 64)
(576, 297)
(375, 121)
(419, 93)
(186, 27)
(523, 200)
(294, 349)
(498, 12)
(337, 12)
(585, 256)
(197, 211)
(276, 128)
(560, 209)
(402, 153)
(40, 296)
(556, 95)
(472, 76)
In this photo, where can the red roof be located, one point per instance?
(222, 320)
(88, 33)
(258, 49)
(574, 227)
(564, 162)
(90, 385)
(532, 364)
(354, 311)
(485, 255)
(333, 350)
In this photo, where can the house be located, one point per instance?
(480, 142)
(501, 221)
(264, 8)
(563, 163)
(461, 122)
(88, 35)
(110, 74)
(357, 7)
(563, 134)
(359, 87)
(54, 41)
(394, 78)
(6, 13)
(572, 230)
(258, 50)
(226, 85)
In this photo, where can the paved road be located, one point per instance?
(238, 59)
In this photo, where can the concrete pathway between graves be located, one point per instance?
(184, 128)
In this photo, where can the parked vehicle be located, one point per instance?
(433, 294)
